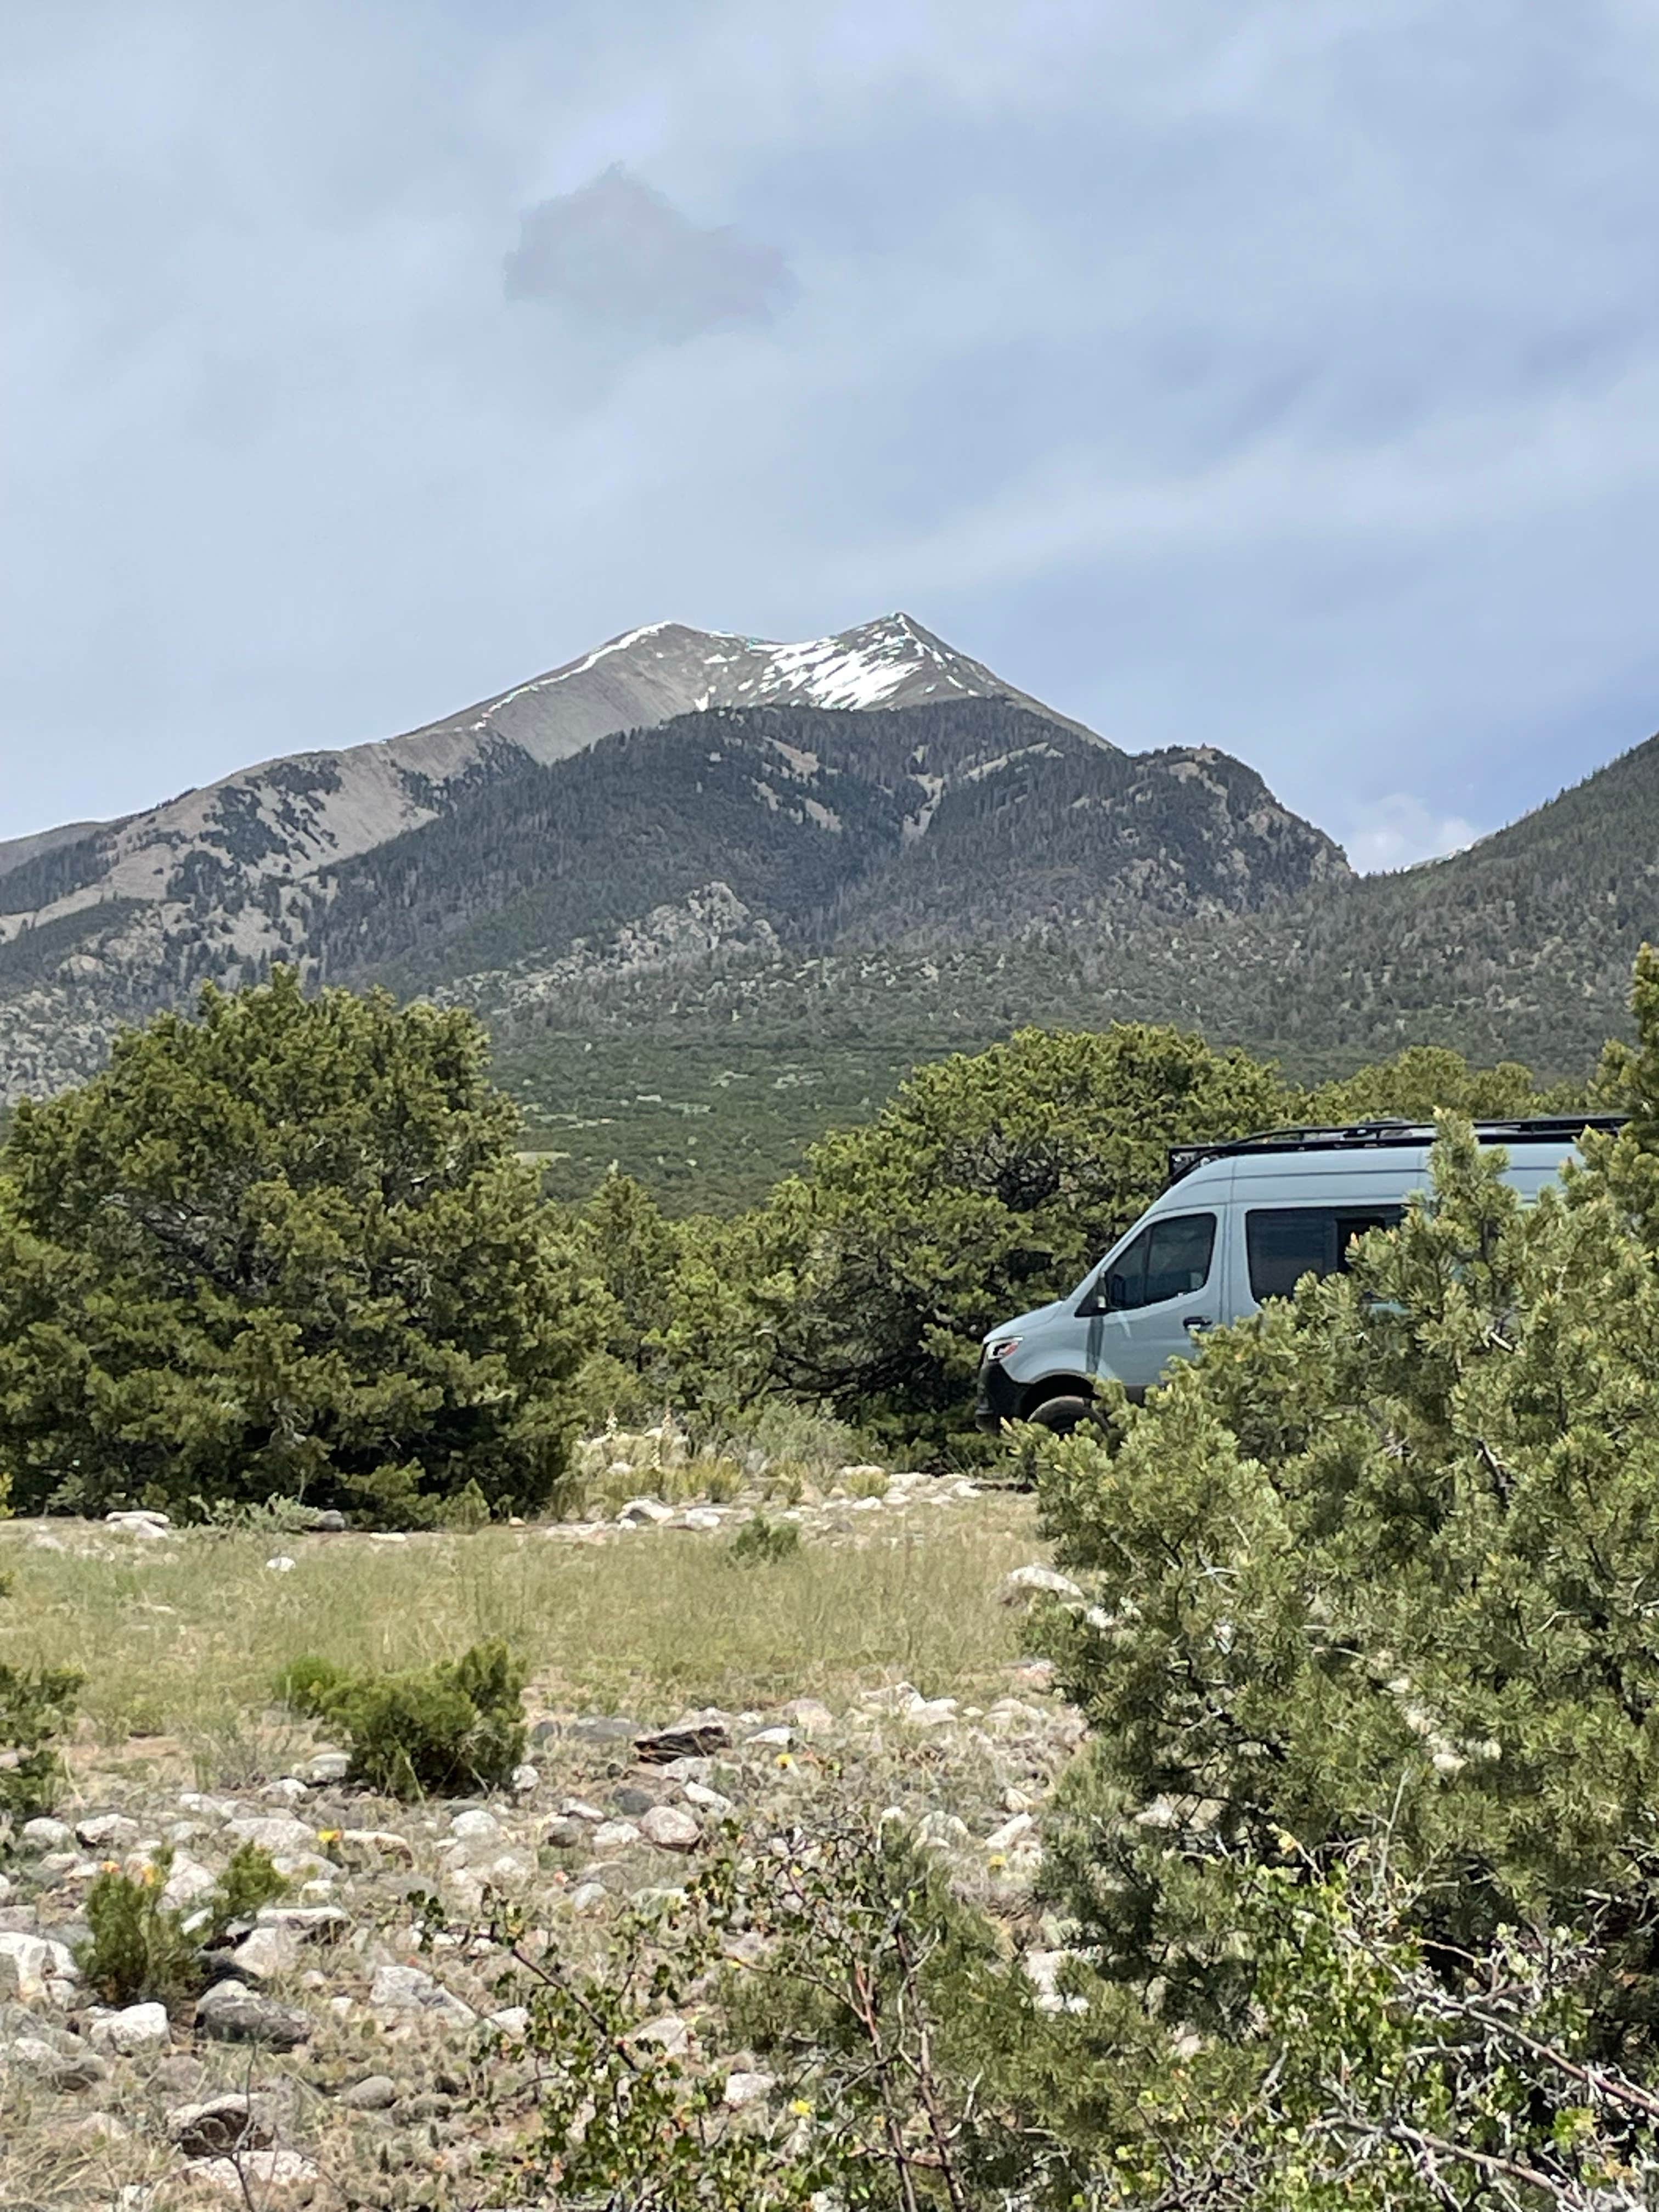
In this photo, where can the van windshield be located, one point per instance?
(1283, 1243)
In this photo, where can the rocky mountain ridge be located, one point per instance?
(877, 786)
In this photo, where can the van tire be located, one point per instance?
(1063, 1415)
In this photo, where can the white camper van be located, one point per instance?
(1237, 1222)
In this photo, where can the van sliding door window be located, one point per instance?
(1168, 1260)
(1284, 1243)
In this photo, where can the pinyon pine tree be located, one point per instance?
(283, 1248)
(1382, 1570)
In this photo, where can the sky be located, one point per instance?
(1278, 374)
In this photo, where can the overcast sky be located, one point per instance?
(1282, 375)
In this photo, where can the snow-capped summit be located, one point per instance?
(287, 818)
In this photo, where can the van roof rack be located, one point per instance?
(1362, 1136)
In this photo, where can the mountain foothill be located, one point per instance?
(683, 840)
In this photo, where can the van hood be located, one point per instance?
(1022, 1322)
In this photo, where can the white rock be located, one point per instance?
(897, 1698)
(511, 2021)
(475, 1826)
(274, 1832)
(148, 1526)
(290, 1790)
(773, 1739)
(208, 1808)
(35, 1961)
(1024, 1584)
(306, 1923)
(670, 1829)
(578, 1809)
(708, 1801)
(702, 1518)
(388, 1536)
(614, 1835)
(134, 2028)
(1011, 1832)
(329, 1766)
(525, 1779)
(670, 2032)
(265, 1954)
(187, 1881)
(810, 1717)
(107, 1831)
(930, 1713)
(382, 1842)
(77, 2067)
(510, 1871)
(260, 2170)
(587, 1897)
(304, 1865)
(407, 1988)
(282, 1565)
(743, 2090)
(44, 1835)
(641, 1509)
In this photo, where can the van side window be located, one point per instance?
(1168, 1260)
(1284, 1243)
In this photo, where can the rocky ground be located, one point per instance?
(333, 2059)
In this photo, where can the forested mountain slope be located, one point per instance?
(672, 793)
(946, 823)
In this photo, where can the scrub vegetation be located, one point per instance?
(1334, 1881)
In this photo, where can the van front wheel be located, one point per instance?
(1063, 1415)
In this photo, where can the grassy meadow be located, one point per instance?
(180, 1640)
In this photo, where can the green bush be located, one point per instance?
(35, 1705)
(988, 1184)
(1380, 1565)
(439, 1730)
(142, 1949)
(283, 1249)
(763, 1543)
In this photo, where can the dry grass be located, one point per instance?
(183, 1639)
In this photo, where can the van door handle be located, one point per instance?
(1195, 1324)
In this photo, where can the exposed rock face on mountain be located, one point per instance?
(672, 793)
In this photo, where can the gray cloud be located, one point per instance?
(1286, 376)
(625, 263)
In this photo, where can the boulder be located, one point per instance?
(699, 1739)
(54, 2065)
(409, 1990)
(135, 2028)
(1024, 1584)
(231, 2012)
(188, 1882)
(375, 2093)
(671, 1828)
(276, 1832)
(640, 1511)
(264, 2173)
(42, 1834)
(218, 2125)
(29, 1963)
(265, 1954)
(107, 1831)
(743, 2090)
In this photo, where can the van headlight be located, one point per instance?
(1002, 1348)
